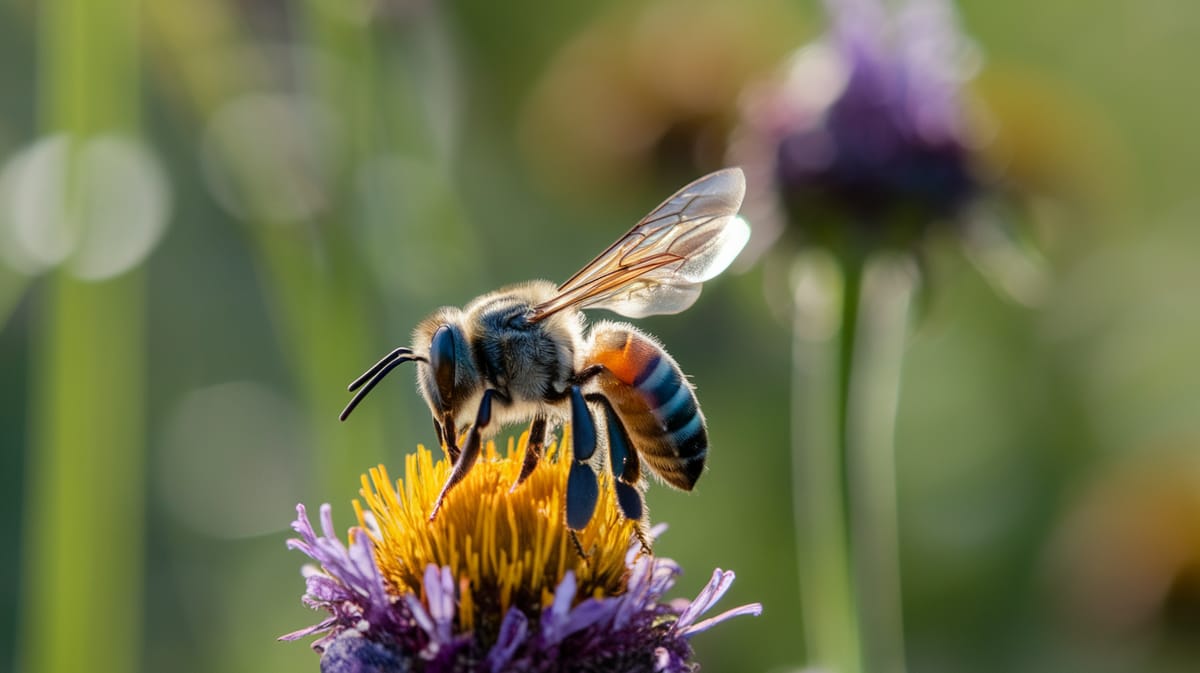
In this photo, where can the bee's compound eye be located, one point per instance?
(442, 359)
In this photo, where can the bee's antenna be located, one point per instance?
(380, 365)
(375, 374)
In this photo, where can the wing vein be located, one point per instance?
(659, 264)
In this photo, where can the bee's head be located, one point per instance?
(448, 376)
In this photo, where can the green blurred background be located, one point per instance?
(215, 213)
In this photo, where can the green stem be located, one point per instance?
(823, 298)
(853, 266)
(845, 459)
(84, 514)
(888, 284)
(84, 509)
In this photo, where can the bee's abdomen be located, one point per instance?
(655, 402)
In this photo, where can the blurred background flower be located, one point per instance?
(645, 96)
(1125, 562)
(214, 213)
(862, 142)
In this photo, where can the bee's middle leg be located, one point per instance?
(533, 450)
(582, 489)
(447, 438)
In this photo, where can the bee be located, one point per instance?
(524, 354)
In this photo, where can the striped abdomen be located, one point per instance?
(654, 401)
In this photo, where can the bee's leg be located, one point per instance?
(577, 544)
(623, 460)
(582, 489)
(437, 428)
(470, 450)
(449, 436)
(626, 470)
(533, 450)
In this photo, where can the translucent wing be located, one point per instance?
(658, 266)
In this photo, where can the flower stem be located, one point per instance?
(888, 284)
(84, 526)
(854, 315)
(822, 300)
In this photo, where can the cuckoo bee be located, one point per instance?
(524, 354)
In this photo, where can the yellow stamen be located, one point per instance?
(504, 548)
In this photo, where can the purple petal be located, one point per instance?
(585, 615)
(662, 577)
(302, 526)
(754, 609)
(420, 616)
(327, 528)
(315, 628)
(349, 584)
(324, 588)
(554, 618)
(635, 593)
(439, 588)
(709, 595)
(362, 556)
(513, 631)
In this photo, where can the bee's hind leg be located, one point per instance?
(626, 470)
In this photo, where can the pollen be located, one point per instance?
(505, 548)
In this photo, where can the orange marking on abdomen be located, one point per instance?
(619, 361)
(626, 362)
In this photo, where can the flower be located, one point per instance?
(1125, 559)
(866, 125)
(643, 96)
(494, 583)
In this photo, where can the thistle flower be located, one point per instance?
(494, 583)
(866, 126)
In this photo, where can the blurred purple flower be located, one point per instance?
(370, 631)
(865, 125)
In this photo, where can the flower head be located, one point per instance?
(513, 546)
(494, 582)
(866, 125)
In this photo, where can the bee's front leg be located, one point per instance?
(470, 450)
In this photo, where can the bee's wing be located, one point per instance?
(658, 266)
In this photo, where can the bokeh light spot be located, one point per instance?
(266, 157)
(124, 204)
(33, 223)
(230, 460)
(99, 205)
